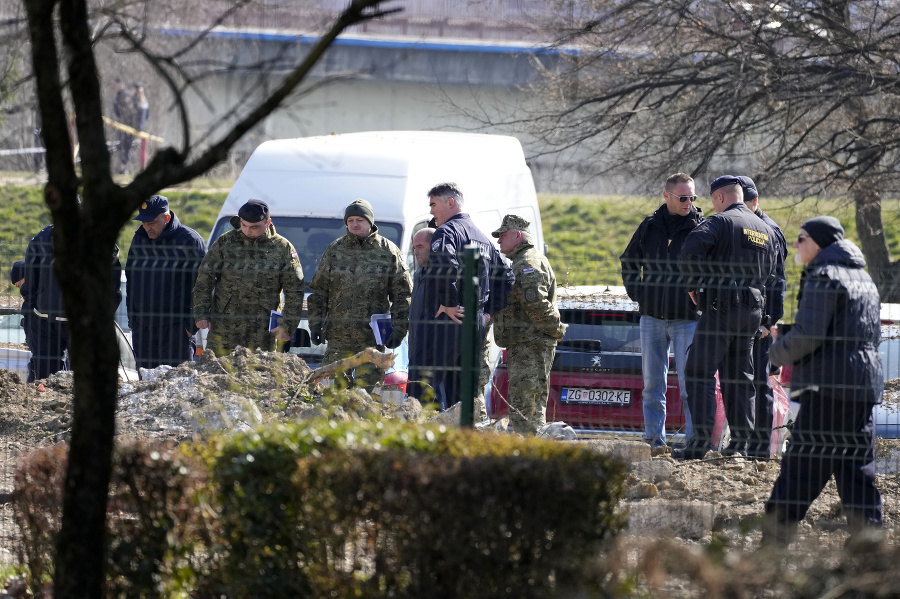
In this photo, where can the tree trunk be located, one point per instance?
(870, 229)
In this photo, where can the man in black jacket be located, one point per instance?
(668, 316)
(455, 230)
(160, 273)
(837, 379)
(419, 317)
(728, 262)
(47, 324)
(760, 442)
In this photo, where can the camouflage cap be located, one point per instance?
(512, 222)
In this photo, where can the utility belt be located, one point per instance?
(49, 317)
(724, 299)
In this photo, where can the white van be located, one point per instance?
(308, 182)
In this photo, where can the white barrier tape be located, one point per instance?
(23, 151)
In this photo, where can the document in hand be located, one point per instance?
(274, 320)
(381, 325)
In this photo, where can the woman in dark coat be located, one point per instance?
(837, 379)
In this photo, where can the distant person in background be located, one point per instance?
(420, 374)
(160, 272)
(360, 274)
(838, 380)
(241, 281)
(48, 324)
(17, 278)
(140, 107)
(123, 109)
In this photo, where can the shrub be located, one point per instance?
(384, 509)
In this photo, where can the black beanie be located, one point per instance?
(360, 208)
(824, 230)
(17, 272)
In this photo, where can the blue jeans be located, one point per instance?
(656, 336)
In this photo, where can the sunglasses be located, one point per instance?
(683, 199)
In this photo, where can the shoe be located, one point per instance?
(691, 452)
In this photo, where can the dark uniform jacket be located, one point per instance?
(650, 266)
(776, 292)
(833, 344)
(419, 317)
(355, 279)
(494, 276)
(730, 258)
(40, 289)
(160, 275)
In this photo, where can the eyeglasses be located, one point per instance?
(683, 199)
(800, 238)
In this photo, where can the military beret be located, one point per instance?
(512, 222)
(723, 181)
(254, 211)
(153, 207)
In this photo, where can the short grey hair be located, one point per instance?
(446, 191)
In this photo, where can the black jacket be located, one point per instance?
(729, 258)
(650, 267)
(160, 275)
(833, 344)
(775, 293)
(40, 289)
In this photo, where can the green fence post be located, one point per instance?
(471, 348)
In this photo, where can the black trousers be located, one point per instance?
(761, 437)
(723, 342)
(829, 437)
(48, 339)
(161, 344)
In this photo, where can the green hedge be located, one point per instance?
(393, 510)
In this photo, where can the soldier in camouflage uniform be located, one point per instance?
(529, 326)
(360, 274)
(248, 269)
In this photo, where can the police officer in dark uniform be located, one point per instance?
(760, 440)
(47, 328)
(728, 262)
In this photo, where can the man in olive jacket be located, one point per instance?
(360, 274)
(528, 327)
(248, 269)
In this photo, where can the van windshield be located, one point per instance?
(310, 236)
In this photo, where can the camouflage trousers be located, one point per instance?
(529, 385)
(226, 333)
(367, 375)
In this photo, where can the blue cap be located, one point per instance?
(153, 207)
(723, 181)
(749, 186)
(17, 272)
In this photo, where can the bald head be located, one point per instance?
(421, 246)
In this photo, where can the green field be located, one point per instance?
(585, 234)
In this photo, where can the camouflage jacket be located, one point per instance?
(530, 315)
(355, 279)
(248, 277)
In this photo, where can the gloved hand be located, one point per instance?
(393, 341)
(317, 337)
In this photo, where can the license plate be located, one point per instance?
(607, 397)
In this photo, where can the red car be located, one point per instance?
(596, 382)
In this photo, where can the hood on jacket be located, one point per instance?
(842, 252)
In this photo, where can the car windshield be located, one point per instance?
(601, 330)
(310, 236)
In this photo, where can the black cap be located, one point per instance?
(138, 84)
(153, 207)
(749, 186)
(17, 272)
(254, 211)
(824, 230)
(723, 181)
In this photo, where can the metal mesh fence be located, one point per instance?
(599, 381)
